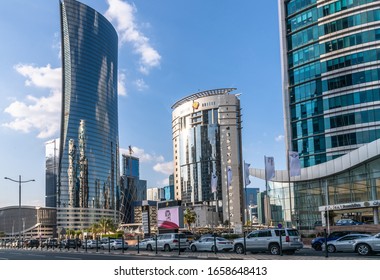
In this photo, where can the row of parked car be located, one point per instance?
(105, 243)
(348, 241)
(274, 241)
(265, 240)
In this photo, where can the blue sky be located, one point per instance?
(168, 49)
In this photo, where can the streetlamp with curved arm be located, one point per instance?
(19, 181)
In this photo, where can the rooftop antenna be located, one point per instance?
(130, 150)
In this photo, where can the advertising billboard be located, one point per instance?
(168, 218)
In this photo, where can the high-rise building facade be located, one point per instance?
(331, 74)
(88, 182)
(331, 90)
(207, 150)
(132, 188)
(51, 172)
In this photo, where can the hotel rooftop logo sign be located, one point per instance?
(195, 105)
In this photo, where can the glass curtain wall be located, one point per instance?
(333, 74)
(89, 147)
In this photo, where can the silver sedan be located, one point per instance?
(344, 243)
(208, 244)
(367, 246)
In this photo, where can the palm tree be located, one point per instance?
(95, 229)
(106, 225)
(190, 217)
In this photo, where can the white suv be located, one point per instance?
(168, 242)
(265, 240)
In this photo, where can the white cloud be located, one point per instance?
(279, 138)
(37, 113)
(123, 14)
(165, 167)
(121, 89)
(43, 77)
(141, 85)
(142, 155)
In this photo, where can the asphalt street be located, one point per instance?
(133, 253)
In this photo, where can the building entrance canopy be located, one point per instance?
(348, 206)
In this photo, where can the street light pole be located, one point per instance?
(19, 202)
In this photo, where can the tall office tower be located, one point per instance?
(331, 73)
(88, 182)
(207, 150)
(132, 188)
(51, 172)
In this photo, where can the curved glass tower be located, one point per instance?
(206, 129)
(331, 74)
(88, 184)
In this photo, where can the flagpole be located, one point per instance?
(266, 190)
(290, 192)
(245, 191)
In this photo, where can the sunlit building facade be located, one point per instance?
(206, 128)
(36, 223)
(331, 74)
(331, 90)
(88, 182)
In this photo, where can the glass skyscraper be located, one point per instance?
(132, 189)
(331, 74)
(88, 182)
(207, 147)
(51, 172)
(331, 90)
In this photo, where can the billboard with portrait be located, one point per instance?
(168, 218)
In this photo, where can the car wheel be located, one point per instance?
(239, 249)
(149, 247)
(213, 248)
(167, 248)
(331, 248)
(274, 249)
(363, 249)
(193, 248)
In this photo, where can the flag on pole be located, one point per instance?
(294, 164)
(269, 168)
(246, 173)
(214, 182)
(229, 176)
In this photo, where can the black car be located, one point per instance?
(50, 243)
(32, 243)
(72, 243)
